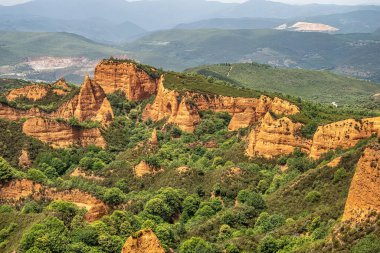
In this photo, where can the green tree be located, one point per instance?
(6, 171)
(65, 211)
(251, 198)
(313, 196)
(114, 196)
(196, 245)
(48, 236)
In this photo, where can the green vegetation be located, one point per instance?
(198, 83)
(203, 195)
(16, 46)
(318, 86)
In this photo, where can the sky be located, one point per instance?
(13, 2)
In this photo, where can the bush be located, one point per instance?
(313, 197)
(36, 175)
(114, 196)
(266, 222)
(6, 171)
(269, 245)
(369, 244)
(6, 209)
(65, 211)
(251, 198)
(196, 245)
(339, 175)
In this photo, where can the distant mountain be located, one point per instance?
(269, 9)
(151, 15)
(353, 54)
(234, 23)
(363, 21)
(95, 29)
(15, 47)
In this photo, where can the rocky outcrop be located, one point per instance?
(12, 114)
(144, 241)
(60, 87)
(364, 193)
(144, 169)
(24, 160)
(183, 109)
(127, 77)
(343, 134)
(79, 173)
(19, 189)
(32, 92)
(91, 104)
(154, 139)
(61, 135)
(242, 120)
(275, 137)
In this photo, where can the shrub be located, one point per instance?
(196, 245)
(313, 196)
(251, 198)
(266, 222)
(113, 196)
(6, 209)
(269, 245)
(36, 175)
(368, 244)
(6, 171)
(339, 175)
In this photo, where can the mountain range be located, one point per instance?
(114, 21)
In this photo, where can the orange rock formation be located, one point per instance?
(344, 134)
(144, 242)
(91, 104)
(18, 189)
(32, 92)
(154, 139)
(126, 77)
(23, 160)
(183, 110)
(143, 169)
(275, 137)
(363, 197)
(61, 135)
(12, 114)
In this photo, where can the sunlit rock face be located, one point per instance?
(127, 77)
(275, 137)
(183, 109)
(364, 194)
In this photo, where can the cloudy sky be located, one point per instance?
(12, 2)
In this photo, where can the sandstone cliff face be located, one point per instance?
(90, 104)
(12, 114)
(32, 92)
(145, 242)
(183, 110)
(364, 194)
(344, 134)
(126, 77)
(19, 189)
(60, 135)
(275, 137)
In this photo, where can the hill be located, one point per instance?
(318, 86)
(16, 46)
(362, 21)
(96, 29)
(352, 54)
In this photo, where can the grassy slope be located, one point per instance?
(16, 46)
(319, 86)
(24, 223)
